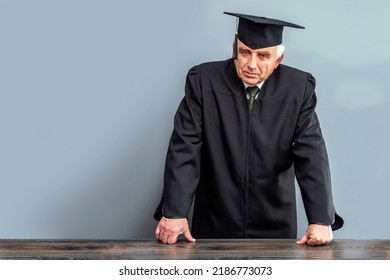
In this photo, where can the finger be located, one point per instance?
(188, 236)
(160, 233)
(312, 241)
(172, 239)
(163, 237)
(318, 242)
(157, 232)
(315, 241)
(303, 240)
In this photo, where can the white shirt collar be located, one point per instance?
(259, 85)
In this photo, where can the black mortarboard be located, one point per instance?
(260, 32)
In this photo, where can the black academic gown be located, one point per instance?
(239, 165)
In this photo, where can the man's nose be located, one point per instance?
(252, 62)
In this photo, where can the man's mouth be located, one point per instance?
(249, 74)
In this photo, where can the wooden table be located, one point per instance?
(202, 249)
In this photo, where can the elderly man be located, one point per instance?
(244, 131)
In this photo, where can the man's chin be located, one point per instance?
(251, 81)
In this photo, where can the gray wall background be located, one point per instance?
(89, 88)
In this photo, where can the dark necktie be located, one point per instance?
(252, 90)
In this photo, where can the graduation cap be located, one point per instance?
(259, 32)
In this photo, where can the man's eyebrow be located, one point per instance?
(244, 48)
(266, 53)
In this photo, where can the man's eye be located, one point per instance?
(263, 56)
(245, 53)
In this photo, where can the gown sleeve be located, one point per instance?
(182, 166)
(312, 165)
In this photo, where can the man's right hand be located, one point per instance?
(168, 230)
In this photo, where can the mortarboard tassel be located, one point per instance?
(235, 47)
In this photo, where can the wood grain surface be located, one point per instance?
(202, 249)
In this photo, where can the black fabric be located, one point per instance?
(241, 165)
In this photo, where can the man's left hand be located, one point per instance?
(317, 235)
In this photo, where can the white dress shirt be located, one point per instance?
(259, 85)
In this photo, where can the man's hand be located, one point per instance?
(317, 235)
(168, 230)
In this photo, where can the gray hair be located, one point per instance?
(280, 50)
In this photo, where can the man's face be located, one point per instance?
(255, 66)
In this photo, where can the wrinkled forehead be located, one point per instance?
(242, 46)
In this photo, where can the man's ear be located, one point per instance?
(279, 60)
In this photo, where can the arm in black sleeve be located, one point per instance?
(182, 166)
(312, 164)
